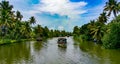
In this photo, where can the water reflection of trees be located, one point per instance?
(15, 53)
(99, 54)
(38, 45)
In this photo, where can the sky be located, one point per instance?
(60, 14)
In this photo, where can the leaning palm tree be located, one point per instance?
(112, 6)
(32, 20)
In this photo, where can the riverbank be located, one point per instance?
(10, 41)
(79, 40)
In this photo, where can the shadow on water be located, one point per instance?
(15, 53)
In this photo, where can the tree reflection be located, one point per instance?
(15, 53)
(38, 45)
(99, 54)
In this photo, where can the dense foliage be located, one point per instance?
(112, 38)
(40, 31)
(101, 32)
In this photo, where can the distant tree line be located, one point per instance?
(45, 32)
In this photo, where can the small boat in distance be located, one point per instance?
(39, 39)
(68, 36)
(62, 42)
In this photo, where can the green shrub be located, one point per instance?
(5, 41)
(112, 38)
(84, 37)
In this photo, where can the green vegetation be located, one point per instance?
(112, 39)
(40, 31)
(14, 29)
(99, 30)
(112, 6)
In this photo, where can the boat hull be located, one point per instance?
(62, 42)
(62, 45)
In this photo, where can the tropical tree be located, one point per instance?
(112, 38)
(5, 15)
(46, 31)
(97, 32)
(76, 30)
(117, 19)
(25, 30)
(32, 20)
(112, 6)
(38, 30)
(6, 11)
(18, 16)
(102, 18)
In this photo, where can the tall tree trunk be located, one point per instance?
(110, 12)
(115, 14)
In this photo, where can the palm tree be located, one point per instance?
(102, 18)
(38, 30)
(92, 22)
(25, 30)
(97, 32)
(32, 20)
(112, 6)
(76, 30)
(6, 11)
(5, 14)
(18, 16)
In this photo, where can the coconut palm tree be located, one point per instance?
(6, 11)
(112, 6)
(25, 30)
(32, 20)
(38, 30)
(97, 32)
(5, 14)
(102, 18)
(18, 16)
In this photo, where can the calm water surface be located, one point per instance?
(48, 52)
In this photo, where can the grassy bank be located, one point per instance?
(10, 41)
(78, 39)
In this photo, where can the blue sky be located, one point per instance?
(60, 14)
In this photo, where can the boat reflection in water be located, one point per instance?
(62, 42)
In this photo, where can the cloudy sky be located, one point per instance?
(60, 14)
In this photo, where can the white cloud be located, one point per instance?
(61, 7)
(51, 28)
(60, 28)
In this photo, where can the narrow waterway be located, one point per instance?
(47, 52)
